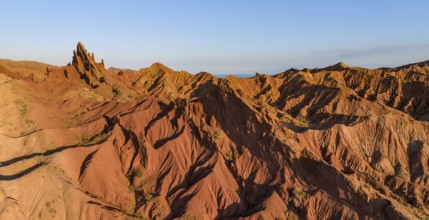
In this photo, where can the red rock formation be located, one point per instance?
(334, 143)
(89, 70)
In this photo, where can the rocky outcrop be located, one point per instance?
(339, 142)
(92, 72)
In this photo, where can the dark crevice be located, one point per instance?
(22, 173)
(161, 142)
(86, 162)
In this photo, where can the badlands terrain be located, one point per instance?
(84, 142)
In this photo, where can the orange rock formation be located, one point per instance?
(83, 142)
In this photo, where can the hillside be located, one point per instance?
(84, 142)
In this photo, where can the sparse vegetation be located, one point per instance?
(132, 206)
(287, 121)
(148, 197)
(261, 103)
(217, 134)
(131, 187)
(229, 156)
(23, 110)
(29, 121)
(404, 199)
(52, 211)
(189, 217)
(93, 138)
(84, 139)
(142, 183)
(292, 216)
(138, 173)
(299, 194)
(99, 137)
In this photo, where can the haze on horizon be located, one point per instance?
(220, 37)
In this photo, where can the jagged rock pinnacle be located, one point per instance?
(81, 59)
(85, 64)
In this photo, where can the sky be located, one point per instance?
(220, 37)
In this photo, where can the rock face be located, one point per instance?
(89, 70)
(341, 142)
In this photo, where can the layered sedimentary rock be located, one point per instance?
(83, 142)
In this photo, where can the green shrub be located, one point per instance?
(131, 187)
(299, 194)
(217, 135)
(84, 139)
(148, 197)
(229, 156)
(138, 173)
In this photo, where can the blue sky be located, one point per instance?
(222, 36)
